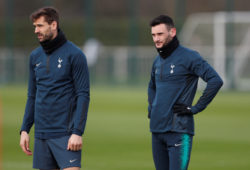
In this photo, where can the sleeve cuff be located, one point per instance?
(77, 132)
(26, 130)
(194, 110)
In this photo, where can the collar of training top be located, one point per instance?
(51, 45)
(167, 50)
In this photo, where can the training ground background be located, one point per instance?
(117, 134)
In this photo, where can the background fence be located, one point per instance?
(124, 52)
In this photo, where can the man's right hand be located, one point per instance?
(24, 143)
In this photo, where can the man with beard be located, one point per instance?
(58, 96)
(171, 91)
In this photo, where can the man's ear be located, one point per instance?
(54, 25)
(173, 32)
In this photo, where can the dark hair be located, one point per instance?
(162, 19)
(50, 14)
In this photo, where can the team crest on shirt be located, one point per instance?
(59, 62)
(172, 66)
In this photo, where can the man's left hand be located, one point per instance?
(74, 143)
(182, 109)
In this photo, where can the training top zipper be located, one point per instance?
(161, 71)
(48, 58)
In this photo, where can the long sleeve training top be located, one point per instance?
(174, 80)
(58, 92)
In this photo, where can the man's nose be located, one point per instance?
(36, 30)
(157, 38)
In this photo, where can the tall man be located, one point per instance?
(171, 91)
(58, 96)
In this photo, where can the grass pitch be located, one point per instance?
(117, 133)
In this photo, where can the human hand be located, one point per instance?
(74, 143)
(24, 143)
(182, 109)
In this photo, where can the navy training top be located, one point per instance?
(174, 80)
(58, 92)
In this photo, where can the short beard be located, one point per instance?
(47, 37)
(168, 40)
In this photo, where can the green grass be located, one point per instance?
(117, 133)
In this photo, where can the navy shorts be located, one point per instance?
(171, 151)
(53, 154)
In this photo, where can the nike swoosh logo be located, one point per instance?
(71, 161)
(177, 144)
(38, 64)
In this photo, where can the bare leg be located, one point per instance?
(72, 168)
